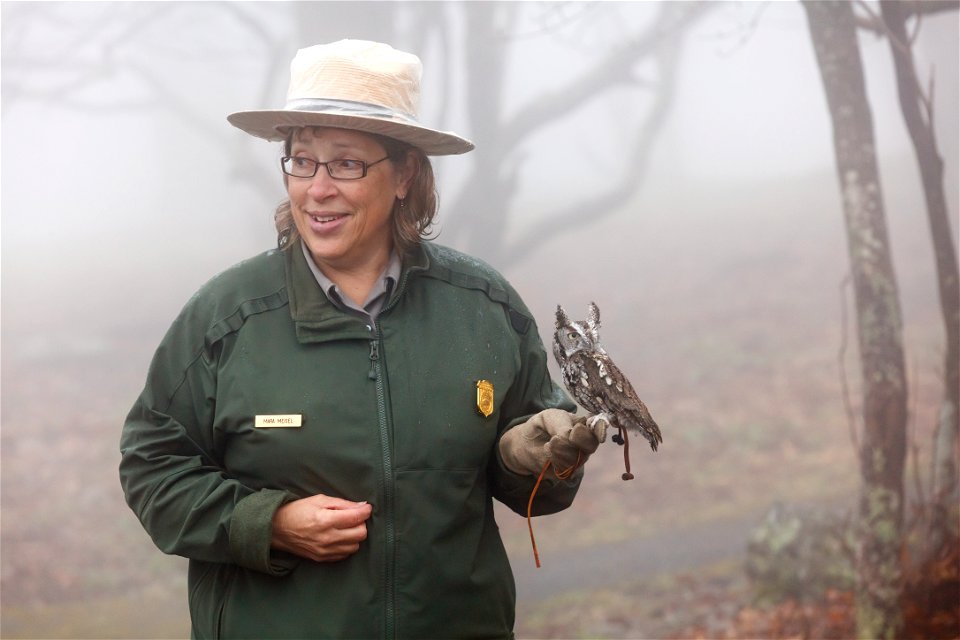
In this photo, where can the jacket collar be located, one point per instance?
(316, 319)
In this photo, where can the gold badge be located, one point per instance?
(485, 397)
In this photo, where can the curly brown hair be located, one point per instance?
(412, 217)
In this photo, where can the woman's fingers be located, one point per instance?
(321, 528)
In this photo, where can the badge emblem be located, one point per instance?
(485, 397)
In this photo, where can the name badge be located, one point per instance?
(287, 420)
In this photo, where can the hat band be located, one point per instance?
(348, 108)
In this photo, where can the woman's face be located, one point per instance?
(345, 223)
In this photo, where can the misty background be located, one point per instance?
(670, 161)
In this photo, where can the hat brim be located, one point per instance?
(273, 125)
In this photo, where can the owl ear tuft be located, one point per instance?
(593, 316)
(562, 318)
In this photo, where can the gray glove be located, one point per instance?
(555, 435)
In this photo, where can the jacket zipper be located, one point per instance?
(374, 357)
(376, 374)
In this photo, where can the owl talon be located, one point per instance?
(594, 419)
(604, 421)
(617, 438)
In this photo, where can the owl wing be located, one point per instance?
(610, 391)
(580, 378)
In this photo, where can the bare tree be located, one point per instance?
(118, 60)
(493, 182)
(917, 109)
(882, 453)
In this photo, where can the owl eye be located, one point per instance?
(572, 335)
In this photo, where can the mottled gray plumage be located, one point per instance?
(595, 382)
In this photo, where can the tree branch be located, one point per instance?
(930, 7)
(238, 10)
(172, 101)
(901, 42)
(608, 203)
(550, 106)
(873, 23)
(87, 106)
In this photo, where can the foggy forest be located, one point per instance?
(690, 167)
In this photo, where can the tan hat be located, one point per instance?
(353, 84)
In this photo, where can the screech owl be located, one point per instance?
(597, 384)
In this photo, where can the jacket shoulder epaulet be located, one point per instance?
(462, 270)
(224, 303)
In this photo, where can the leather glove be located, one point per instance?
(555, 435)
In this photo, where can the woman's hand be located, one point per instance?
(321, 528)
(555, 435)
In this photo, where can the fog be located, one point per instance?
(124, 189)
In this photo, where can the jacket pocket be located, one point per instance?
(209, 587)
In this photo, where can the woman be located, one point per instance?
(324, 425)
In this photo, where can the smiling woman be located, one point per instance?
(310, 434)
(411, 217)
(343, 214)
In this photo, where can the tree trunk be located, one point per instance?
(882, 454)
(919, 123)
(480, 212)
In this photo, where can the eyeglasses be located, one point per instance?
(338, 169)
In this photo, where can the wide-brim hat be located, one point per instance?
(353, 84)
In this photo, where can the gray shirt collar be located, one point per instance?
(378, 296)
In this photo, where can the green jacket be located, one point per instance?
(388, 415)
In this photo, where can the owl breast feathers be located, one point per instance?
(595, 381)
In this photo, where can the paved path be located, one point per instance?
(610, 564)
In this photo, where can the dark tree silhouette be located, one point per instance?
(493, 181)
(917, 109)
(883, 446)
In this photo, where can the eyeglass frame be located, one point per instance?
(326, 165)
